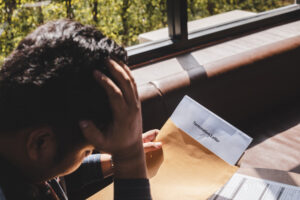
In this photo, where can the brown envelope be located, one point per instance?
(183, 169)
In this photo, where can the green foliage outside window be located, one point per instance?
(121, 20)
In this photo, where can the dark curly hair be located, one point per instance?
(48, 78)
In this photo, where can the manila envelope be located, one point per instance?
(183, 169)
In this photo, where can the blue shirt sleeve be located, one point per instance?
(132, 189)
(2, 197)
(88, 178)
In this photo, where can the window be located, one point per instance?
(122, 20)
(150, 29)
(184, 40)
(205, 13)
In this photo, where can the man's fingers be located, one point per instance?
(132, 79)
(124, 81)
(114, 94)
(92, 133)
(148, 139)
(150, 136)
(152, 146)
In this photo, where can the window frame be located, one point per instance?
(180, 41)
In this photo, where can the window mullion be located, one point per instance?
(177, 19)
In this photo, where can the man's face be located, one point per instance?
(72, 159)
(58, 156)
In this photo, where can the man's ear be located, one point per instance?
(41, 144)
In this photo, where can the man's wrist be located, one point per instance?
(130, 163)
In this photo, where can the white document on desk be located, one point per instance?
(217, 135)
(242, 187)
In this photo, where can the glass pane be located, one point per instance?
(208, 13)
(122, 20)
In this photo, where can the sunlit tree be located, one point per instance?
(121, 20)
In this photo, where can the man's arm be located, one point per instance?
(123, 138)
(96, 170)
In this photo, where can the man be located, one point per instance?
(65, 92)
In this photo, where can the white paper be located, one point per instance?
(242, 187)
(211, 131)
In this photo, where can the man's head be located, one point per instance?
(47, 86)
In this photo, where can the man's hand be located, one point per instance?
(123, 137)
(148, 143)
